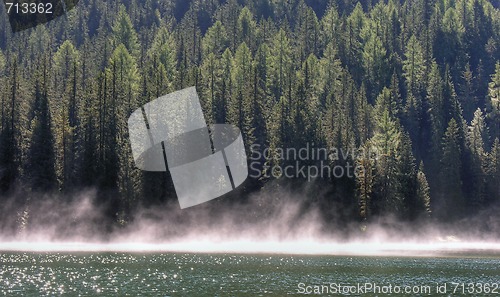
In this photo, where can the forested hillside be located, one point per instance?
(416, 81)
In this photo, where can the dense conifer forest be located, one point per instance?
(416, 81)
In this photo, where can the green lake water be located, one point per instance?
(169, 274)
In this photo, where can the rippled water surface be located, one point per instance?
(167, 274)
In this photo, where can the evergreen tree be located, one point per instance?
(494, 103)
(210, 86)
(65, 117)
(468, 100)
(451, 200)
(477, 139)
(308, 33)
(413, 119)
(261, 104)
(407, 185)
(161, 65)
(247, 29)
(9, 139)
(240, 108)
(493, 173)
(124, 32)
(423, 196)
(330, 70)
(331, 27)
(374, 60)
(363, 117)
(478, 136)
(451, 106)
(120, 169)
(352, 49)
(41, 152)
(386, 142)
(222, 114)
(229, 17)
(306, 103)
(435, 102)
(215, 40)
(365, 180)
(387, 101)
(280, 65)
(414, 67)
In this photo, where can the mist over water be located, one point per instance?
(268, 222)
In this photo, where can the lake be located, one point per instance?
(183, 274)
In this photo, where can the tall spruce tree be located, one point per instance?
(494, 102)
(414, 67)
(124, 32)
(451, 203)
(64, 109)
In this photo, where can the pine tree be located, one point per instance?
(161, 65)
(308, 33)
(330, 71)
(280, 76)
(435, 110)
(387, 142)
(230, 14)
(452, 108)
(222, 114)
(374, 60)
(190, 33)
(280, 65)
(477, 139)
(124, 32)
(240, 108)
(339, 114)
(451, 200)
(306, 103)
(352, 50)
(65, 107)
(215, 40)
(331, 27)
(493, 173)
(210, 86)
(494, 95)
(387, 101)
(423, 196)
(41, 158)
(394, 31)
(160, 79)
(406, 178)
(396, 98)
(363, 117)
(478, 136)
(260, 103)
(413, 119)
(9, 139)
(247, 29)
(124, 79)
(414, 67)
(468, 100)
(365, 180)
